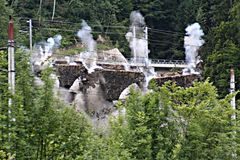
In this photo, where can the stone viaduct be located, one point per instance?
(113, 79)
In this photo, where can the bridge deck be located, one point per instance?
(156, 63)
(160, 63)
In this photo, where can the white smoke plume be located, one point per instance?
(44, 50)
(138, 43)
(51, 44)
(89, 57)
(192, 42)
(57, 40)
(136, 38)
(137, 19)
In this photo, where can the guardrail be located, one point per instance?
(158, 63)
(164, 61)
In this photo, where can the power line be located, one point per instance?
(112, 26)
(160, 30)
(152, 41)
(165, 33)
(109, 33)
(68, 30)
(92, 26)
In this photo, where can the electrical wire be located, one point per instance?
(168, 31)
(151, 32)
(113, 26)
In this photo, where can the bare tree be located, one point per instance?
(54, 7)
(40, 7)
(230, 2)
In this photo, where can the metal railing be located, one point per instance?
(157, 61)
(166, 61)
(139, 62)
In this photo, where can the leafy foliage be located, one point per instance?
(177, 123)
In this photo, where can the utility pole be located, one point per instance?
(146, 39)
(233, 104)
(30, 34)
(232, 89)
(11, 68)
(11, 62)
(134, 45)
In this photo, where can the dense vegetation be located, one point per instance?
(169, 123)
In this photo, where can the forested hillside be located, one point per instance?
(171, 122)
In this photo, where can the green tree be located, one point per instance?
(180, 123)
(222, 51)
(24, 106)
(5, 146)
(207, 129)
(39, 126)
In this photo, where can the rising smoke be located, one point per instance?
(192, 42)
(88, 57)
(41, 59)
(57, 40)
(137, 38)
(42, 51)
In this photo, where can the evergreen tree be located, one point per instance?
(223, 51)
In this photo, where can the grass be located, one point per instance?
(69, 51)
(78, 49)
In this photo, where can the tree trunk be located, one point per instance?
(41, 149)
(40, 7)
(54, 7)
(230, 3)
